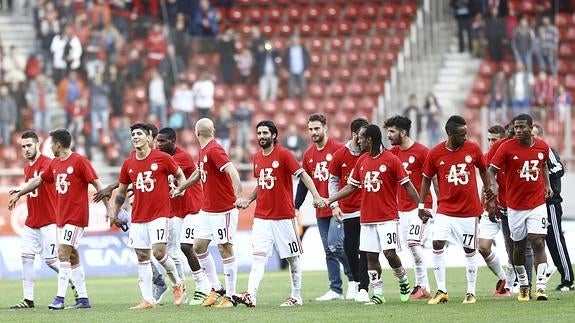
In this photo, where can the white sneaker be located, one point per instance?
(362, 296)
(330, 296)
(351, 290)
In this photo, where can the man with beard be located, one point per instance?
(275, 223)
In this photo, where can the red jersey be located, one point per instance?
(71, 177)
(378, 178)
(275, 184)
(149, 178)
(316, 163)
(502, 196)
(456, 177)
(341, 166)
(523, 176)
(41, 202)
(412, 160)
(191, 202)
(219, 195)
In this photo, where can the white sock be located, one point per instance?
(179, 268)
(439, 269)
(521, 275)
(400, 273)
(471, 266)
(295, 276)
(207, 263)
(493, 263)
(79, 280)
(230, 274)
(28, 276)
(509, 276)
(375, 282)
(145, 280)
(53, 263)
(257, 273)
(541, 277)
(202, 281)
(168, 263)
(419, 266)
(64, 274)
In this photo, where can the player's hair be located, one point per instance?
(539, 129)
(509, 128)
(453, 123)
(400, 122)
(372, 131)
(61, 136)
(142, 126)
(152, 129)
(497, 130)
(356, 124)
(317, 117)
(524, 117)
(30, 134)
(271, 126)
(168, 132)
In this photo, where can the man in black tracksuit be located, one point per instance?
(555, 238)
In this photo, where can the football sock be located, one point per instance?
(471, 266)
(419, 266)
(79, 280)
(295, 275)
(28, 276)
(157, 278)
(521, 275)
(400, 274)
(439, 269)
(493, 263)
(179, 267)
(541, 277)
(230, 274)
(509, 276)
(53, 263)
(168, 263)
(145, 280)
(375, 282)
(207, 262)
(256, 272)
(63, 277)
(202, 281)
(529, 264)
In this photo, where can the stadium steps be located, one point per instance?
(18, 31)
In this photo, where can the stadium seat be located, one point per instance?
(309, 106)
(351, 12)
(527, 7)
(474, 101)
(382, 26)
(362, 27)
(269, 107)
(331, 12)
(566, 50)
(376, 43)
(325, 74)
(355, 89)
(264, 3)
(221, 92)
(389, 10)
(570, 82)
(333, 58)
(243, 3)
(336, 44)
(367, 104)
(402, 24)
(336, 90)
(245, 29)
(239, 92)
(285, 29)
(315, 59)
(325, 28)
(352, 58)
(290, 106)
(255, 14)
(280, 44)
(369, 11)
(267, 29)
(316, 90)
(369, 58)
(570, 35)
(395, 41)
(236, 15)
(564, 66)
(381, 73)
(374, 89)
(481, 86)
(408, 10)
(301, 119)
(306, 28)
(363, 73)
(274, 14)
(563, 20)
(357, 43)
(295, 13)
(487, 68)
(508, 67)
(344, 73)
(317, 44)
(312, 13)
(329, 105)
(344, 28)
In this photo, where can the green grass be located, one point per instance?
(111, 298)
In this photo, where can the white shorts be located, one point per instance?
(411, 227)
(488, 230)
(458, 230)
(144, 235)
(283, 234)
(380, 236)
(218, 227)
(187, 229)
(42, 241)
(351, 215)
(522, 222)
(70, 235)
(173, 244)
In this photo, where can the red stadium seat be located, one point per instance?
(325, 28)
(245, 29)
(221, 92)
(357, 43)
(309, 106)
(240, 92)
(389, 10)
(267, 29)
(295, 13)
(487, 68)
(290, 106)
(315, 59)
(481, 85)
(329, 105)
(333, 58)
(362, 27)
(381, 73)
(474, 101)
(564, 66)
(562, 20)
(351, 12)
(285, 29)
(317, 44)
(325, 74)
(508, 67)
(376, 43)
(336, 90)
(306, 28)
(363, 73)
(395, 41)
(527, 7)
(336, 44)
(402, 25)
(570, 82)
(264, 3)
(301, 120)
(312, 13)
(355, 89)
(408, 10)
(316, 90)
(256, 14)
(352, 58)
(368, 104)
(274, 14)
(570, 34)
(369, 11)
(237, 15)
(566, 50)
(331, 12)
(344, 73)
(382, 26)
(369, 57)
(279, 44)
(344, 28)
(374, 88)
(269, 107)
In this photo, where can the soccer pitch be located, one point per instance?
(112, 297)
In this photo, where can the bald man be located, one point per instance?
(218, 217)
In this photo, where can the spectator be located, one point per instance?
(522, 44)
(40, 94)
(33, 67)
(245, 63)
(123, 138)
(227, 51)
(112, 41)
(477, 35)
(205, 20)
(294, 141)
(116, 90)
(412, 112)
(296, 61)
(511, 22)
(495, 34)
(95, 55)
(157, 97)
(257, 42)
(203, 96)
(243, 123)
(432, 111)
(48, 27)
(19, 96)
(499, 98)
(156, 45)
(549, 42)
(100, 14)
(542, 94)
(563, 102)
(66, 53)
(72, 89)
(14, 65)
(463, 14)
(268, 71)
(8, 115)
(224, 124)
(99, 107)
(182, 103)
(65, 11)
(181, 38)
(171, 68)
(82, 28)
(172, 11)
(134, 70)
(521, 85)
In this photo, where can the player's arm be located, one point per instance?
(243, 203)
(318, 200)
(118, 202)
(548, 190)
(105, 192)
(31, 185)
(193, 179)
(300, 194)
(435, 185)
(423, 214)
(411, 191)
(180, 176)
(231, 170)
(333, 187)
(492, 173)
(105, 199)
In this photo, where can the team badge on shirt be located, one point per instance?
(154, 166)
(382, 168)
(70, 170)
(205, 159)
(275, 164)
(328, 157)
(540, 156)
(468, 159)
(411, 159)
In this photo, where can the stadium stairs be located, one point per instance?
(17, 31)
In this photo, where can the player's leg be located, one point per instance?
(370, 244)
(224, 227)
(173, 245)
(351, 227)
(202, 239)
(487, 232)
(415, 235)
(139, 239)
(536, 234)
(288, 244)
(31, 245)
(510, 269)
(518, 230)
(465, 231)
(441, 233)
(388, 237)
(198, 274)
(335, 239)
(335, 284)
(558, 248)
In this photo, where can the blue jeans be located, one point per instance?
(331, 234)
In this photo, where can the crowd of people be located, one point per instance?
(381, 196)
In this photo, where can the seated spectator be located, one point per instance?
(294, 141)
(499, 98)
(563, 103)
(156, 45)
(205, 20)
(521, 90)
